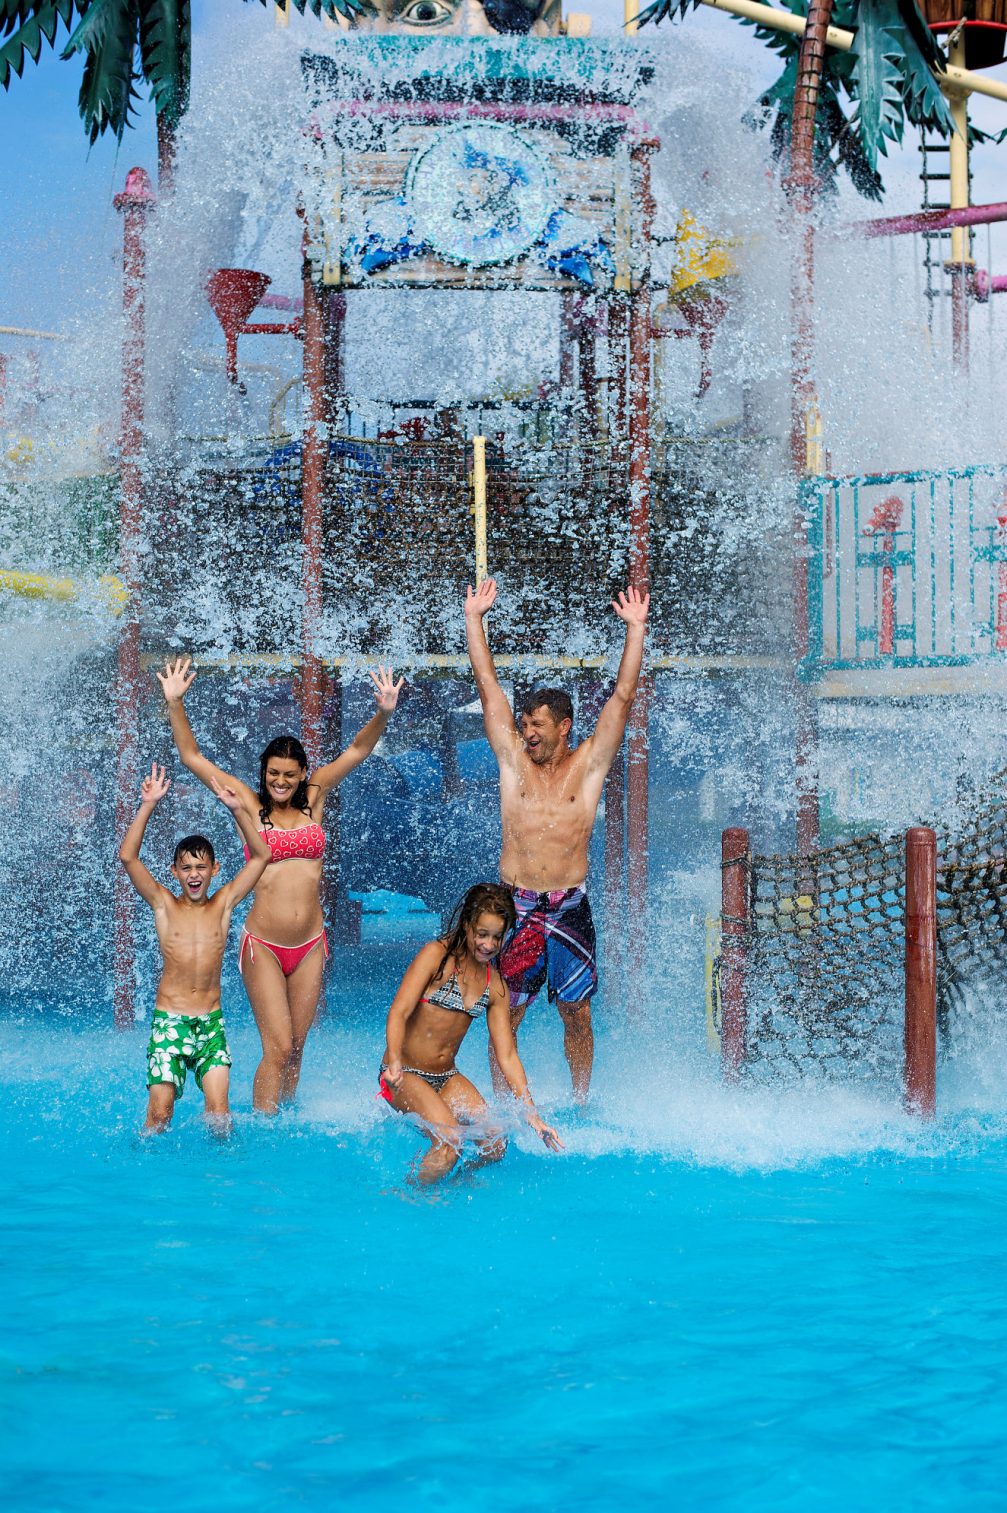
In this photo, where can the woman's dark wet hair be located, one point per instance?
(290, 749)
(483, 898)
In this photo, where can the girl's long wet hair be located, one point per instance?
(483, 898)
(290, 749)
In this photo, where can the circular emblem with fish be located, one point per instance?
(480, 194)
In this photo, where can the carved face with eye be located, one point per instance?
(463, 18)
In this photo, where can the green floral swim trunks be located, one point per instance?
(180, 1042)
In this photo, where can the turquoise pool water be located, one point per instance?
(765, 1300)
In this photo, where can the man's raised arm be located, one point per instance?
(501, 732)
(631, 607)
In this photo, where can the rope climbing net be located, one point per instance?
(823, 939)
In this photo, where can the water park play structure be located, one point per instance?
(470, 166)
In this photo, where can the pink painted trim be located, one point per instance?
(931, 220)
(985, 284)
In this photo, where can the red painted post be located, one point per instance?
(569, 309)
(884, 522)
(313, 458)
(334, 336)
(920, 1066)
(134, 204)
(735, 872)
(587, 331)
(1001, 615)
(802, 184)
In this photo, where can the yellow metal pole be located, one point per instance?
(479, 504)
(960, 265)
(959, 153)
(631, 10)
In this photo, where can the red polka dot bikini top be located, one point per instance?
(306, 841)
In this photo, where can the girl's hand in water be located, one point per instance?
(227, 795)
(386, 691)
(548, 1135)
(154, 787)
(176, 679)
(393, 1075)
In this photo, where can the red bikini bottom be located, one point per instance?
(289, 957)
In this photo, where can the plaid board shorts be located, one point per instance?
(554, 943)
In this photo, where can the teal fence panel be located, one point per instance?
(906, 569)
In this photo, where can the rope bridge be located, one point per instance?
(844, 958)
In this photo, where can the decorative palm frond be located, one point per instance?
(660, 10)
(348, 9)
(31, 22)
(124, 42)
(166, 57)
(836, 146)
(877, 78)
(888, 76)
(108, 35)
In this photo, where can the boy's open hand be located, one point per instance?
(385, 690)
(226, 794)
(632, 606)
(176, 679)
(479, 600)
(154, 787)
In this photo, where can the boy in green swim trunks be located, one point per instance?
(188, 1029)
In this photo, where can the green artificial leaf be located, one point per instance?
(878, 78)
(348, 9)
(925, 103)
(844, 140)
(108, 34)
(100, 17)
(837, 144)
(660, 10)
(920, 38)
(166, 55)
(30, 24)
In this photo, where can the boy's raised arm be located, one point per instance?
(258, 852)
(498, 718)
(152, 791)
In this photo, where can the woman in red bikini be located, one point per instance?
(283, 946)
(450, 984)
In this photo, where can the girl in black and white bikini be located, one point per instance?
(450, 983)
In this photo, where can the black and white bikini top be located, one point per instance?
(449, 996)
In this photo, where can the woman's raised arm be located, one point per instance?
(175, 681)
(386, 692)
